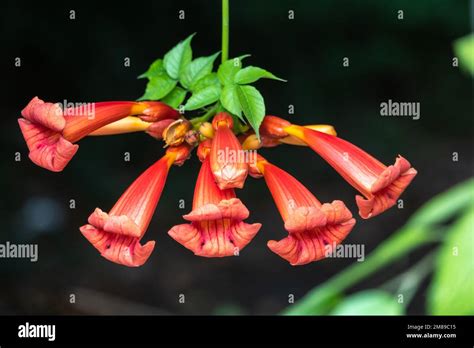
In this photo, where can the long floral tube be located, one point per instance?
(127, 124)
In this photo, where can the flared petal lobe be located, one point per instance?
(48, 115)
(314, 228)
(380, 185)
(116, 247)
(304, 245)
(47, 148)
(386, 189)
(41, 128)
(228, 163)
(217, 228)
(117, 235)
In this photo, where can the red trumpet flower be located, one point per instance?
(314, 228)
(50, 132)
(381, 185)
(216, 227)
(227, 164)
(117, 235)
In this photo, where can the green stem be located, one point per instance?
(225, 30)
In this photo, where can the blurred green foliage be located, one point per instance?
(464, 49)
(370, 302)
(452, 289)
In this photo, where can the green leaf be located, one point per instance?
(155, 69)
(229, 68)
(452, 289)
(175, 97)
(197, 69)
(157, 88)
(253, 106)
(464, 49)
(159, 84)
(178, 58)
(252, 73)
(369, 302)
(203, 97)
(206, 81)
(230, 100)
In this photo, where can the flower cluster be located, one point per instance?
(216, 226)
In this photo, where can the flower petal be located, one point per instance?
(215, 238)
(390, 174)
(48, 115)
(305, 218)
(303, 246)
(121, 249)
(386, 189)
(313, 244)
(228, 208)
(121, 224)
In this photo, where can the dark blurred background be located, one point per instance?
(407, 60)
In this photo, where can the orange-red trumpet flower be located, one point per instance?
(217, 228)
(51, 132)
(117, 234)
(381, 185)
(314, 228)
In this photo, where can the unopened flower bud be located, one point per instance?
(156, 111)
(222, 119)
(156, 129)
(251, 142)
(180, 153)
(174, 134)
(191, 137)
(207, 130)
(273, 126)
(203, 149)
(254, 171)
